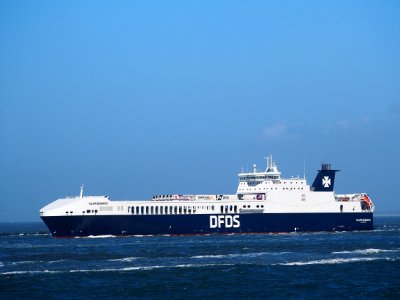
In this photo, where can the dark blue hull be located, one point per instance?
(70, 226)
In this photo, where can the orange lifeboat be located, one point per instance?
(366, 199)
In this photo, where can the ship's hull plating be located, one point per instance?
(71, 226)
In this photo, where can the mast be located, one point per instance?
(81, 195)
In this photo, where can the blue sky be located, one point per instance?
(135, 98)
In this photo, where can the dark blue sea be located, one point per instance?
(300, 265)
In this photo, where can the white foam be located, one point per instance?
(29, 234)
(25, 262)
(144, 235)
(55, 261)
(200, 265)
(334, 261)
(101, 236)
(233, 255)
(209, 256)
(30, 272)
(1, 264)
(137, 268)
(365, 251)
(125, 259)
(118, 270)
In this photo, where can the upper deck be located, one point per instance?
(268, 180)
(271, 173)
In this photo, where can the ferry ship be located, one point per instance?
(264, 203)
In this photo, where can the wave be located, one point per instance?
(365, 251)
(126, 269)
(25, 262)
(23, 234)
(200, 265)
(334, 261)
(30, 272)
(105, 236)
(144, 268)
(209, 256)
(118, 269)
(233, 255)
(111, 236)
(125, 259)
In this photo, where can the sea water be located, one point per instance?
(366, 264)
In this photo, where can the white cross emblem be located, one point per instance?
(326, 181)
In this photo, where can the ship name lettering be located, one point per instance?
(225, 221)
(98, 203)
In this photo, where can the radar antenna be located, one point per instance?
(270, 162)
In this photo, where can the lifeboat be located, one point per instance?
(366, 200)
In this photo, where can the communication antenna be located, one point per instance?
(304, 166)
(81, 195)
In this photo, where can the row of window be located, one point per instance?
(284, 182)
(258, 177)
(257, 206)
(88, 211)
(169, 210)
(106, 208)
(179, 210)
(260, 189)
